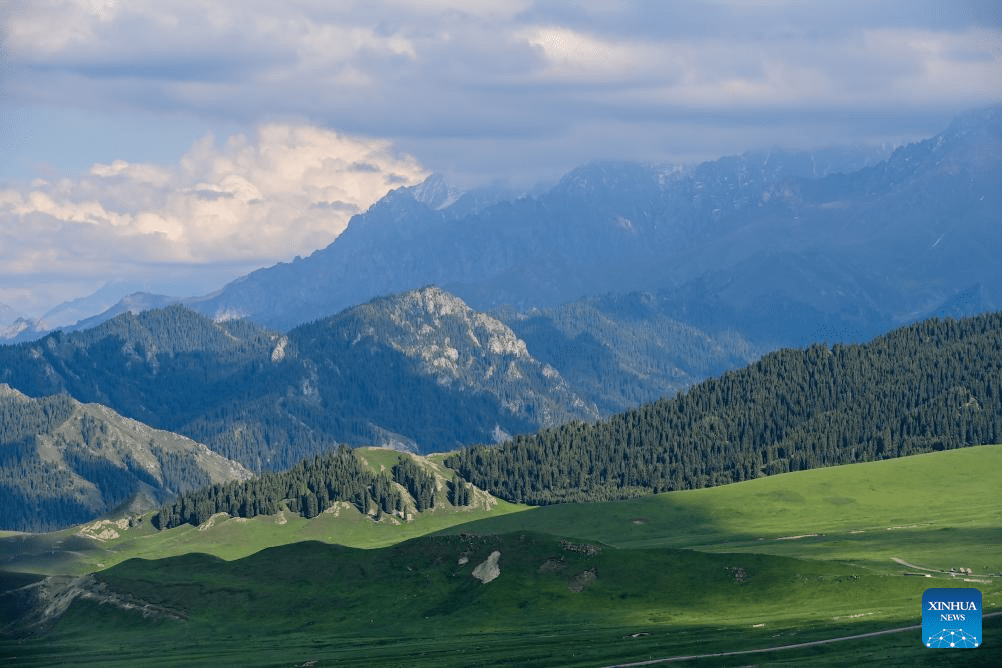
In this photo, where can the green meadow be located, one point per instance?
(763, 564)
(940, 510)
(75, 551)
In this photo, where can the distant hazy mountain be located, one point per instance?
(619, 351)
(605, 227)
(810, 245)
(20, 329)
(84, 312)
(835, 244)
(418, 371)
(70, 312)
(63, 462)
(136, 302)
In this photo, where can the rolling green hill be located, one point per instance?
(579, 584)
(99, 544)
(937, 510)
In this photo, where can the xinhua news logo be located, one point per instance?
(951, 618)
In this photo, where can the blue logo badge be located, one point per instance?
(951, 618)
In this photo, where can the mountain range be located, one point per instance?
(789, 247)
(439, 320)
(419, 371)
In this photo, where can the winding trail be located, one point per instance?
(762, 650)
(905, 563)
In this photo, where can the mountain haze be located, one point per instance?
(785, 247)
(620, 351)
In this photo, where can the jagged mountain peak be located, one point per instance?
(425, 314)
(461, 348)
(434, 192)
(981, 121)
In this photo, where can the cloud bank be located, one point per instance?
(459, 83)
(518, 90)
(287, 190)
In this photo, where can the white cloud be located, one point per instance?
(477, 90)
(400, 68)
(288, 190)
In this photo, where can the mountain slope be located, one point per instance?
(63, 462)
(930, 386)
(819, 251)
(462, 348)
(620, 351)
(605, 227)
(419, 371)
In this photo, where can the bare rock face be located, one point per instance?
(488, 570)
(582, 580)
(37, 606)
(466, 350)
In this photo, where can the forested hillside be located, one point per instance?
(63, 462)
(314, 485)
(419, 371)
(934, 385)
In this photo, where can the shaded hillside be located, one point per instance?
(419, 371)
(930, 386)
(63, 462)
(620, 351)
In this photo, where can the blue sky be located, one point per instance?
(176, 144)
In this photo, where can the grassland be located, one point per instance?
(74, 551)
(939, 510)
(766, 563)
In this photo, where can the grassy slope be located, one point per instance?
(416, 604)
(946, 505)
(310, 601)
(66, 552)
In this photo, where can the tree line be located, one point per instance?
(931, 386)
(311, 487)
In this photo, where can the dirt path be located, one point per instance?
(762, 650)
(905, 563)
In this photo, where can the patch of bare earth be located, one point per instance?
(489, 569)
(582, 580)
(211, 522)
(41, 603)
(553, 565)
(103, 530)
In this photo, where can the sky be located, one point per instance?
(174, 145)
